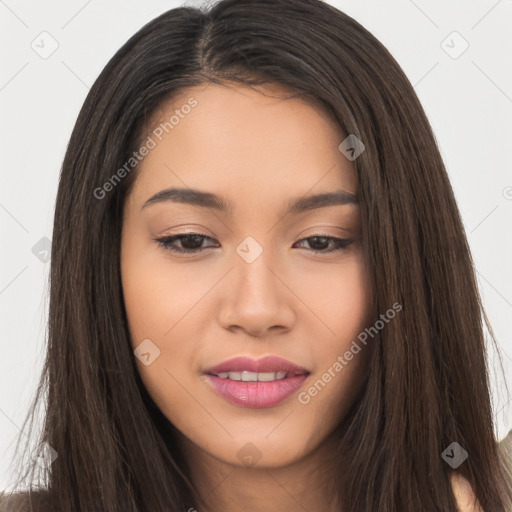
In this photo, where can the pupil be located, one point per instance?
(193, 238)
(323, 241)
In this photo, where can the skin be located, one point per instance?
(259, 151)
(464, 496)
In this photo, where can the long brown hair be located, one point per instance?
(427, 382)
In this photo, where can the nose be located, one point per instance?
(257, 300)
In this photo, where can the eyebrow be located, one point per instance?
(210, 200)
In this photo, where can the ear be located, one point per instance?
(464, 495)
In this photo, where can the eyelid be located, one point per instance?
(166, 241)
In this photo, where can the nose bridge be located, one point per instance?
(255, 279)
(257, 299)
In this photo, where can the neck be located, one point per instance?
(298, 486)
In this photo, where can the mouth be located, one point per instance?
(247, 376)
(261, 383)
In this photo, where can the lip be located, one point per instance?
(265, 364)
(257, 394)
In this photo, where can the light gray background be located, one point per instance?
(467, 99)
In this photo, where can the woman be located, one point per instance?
(262, 296)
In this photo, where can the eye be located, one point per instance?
(319, 241)
(190, 243)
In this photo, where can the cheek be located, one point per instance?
(341, 299)
(155, 303)
(156, 295)
(162, 304)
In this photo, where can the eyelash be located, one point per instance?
(166, 243)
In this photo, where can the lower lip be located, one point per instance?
(256, 394)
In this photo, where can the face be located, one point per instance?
(282, 287)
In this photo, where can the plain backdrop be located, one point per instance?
(457, 55)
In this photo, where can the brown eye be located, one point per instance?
(319, 243)
(190, 243)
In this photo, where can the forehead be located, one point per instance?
(236, 140)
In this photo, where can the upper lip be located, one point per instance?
(265, 364)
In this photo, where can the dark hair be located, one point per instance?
(427, 382)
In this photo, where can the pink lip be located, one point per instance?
(257, 394)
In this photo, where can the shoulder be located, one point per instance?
(462, 489)
(464, 495)
(22, 501)
(13, 502)
(505, 452)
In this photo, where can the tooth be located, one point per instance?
(247, 376)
